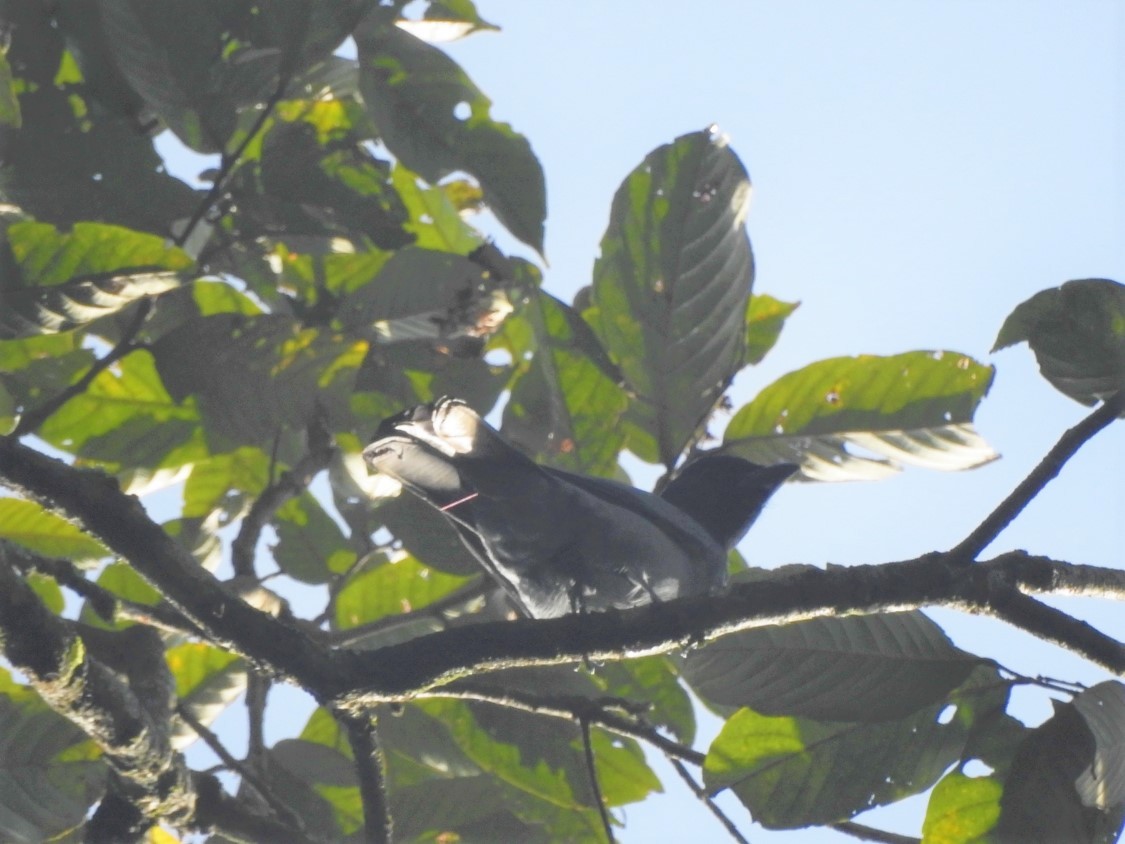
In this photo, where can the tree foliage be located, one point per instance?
(240, 342)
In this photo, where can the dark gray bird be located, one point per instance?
(558, 542)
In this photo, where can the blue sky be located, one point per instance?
(919, 168)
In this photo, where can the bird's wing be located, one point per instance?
(667, 517)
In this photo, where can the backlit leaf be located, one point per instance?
(913, 408)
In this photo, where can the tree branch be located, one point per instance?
(106, 604)
(290, 484)
(149, 776)
(1067, 446)
(97, 503)
(286, 815)
(576, 709)
(370, 771)
(1053, 625)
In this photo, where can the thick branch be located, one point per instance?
(1067, 446)
(150, 777)
(398, 672)
(1054, 625)
(96, 502)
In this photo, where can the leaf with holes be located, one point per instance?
(672, 283)
(1077, 332)
(50, 774)
(1066, 780)
(794, 772)
(913, 408)
(859, 668)
(415, 93)
(566, 400)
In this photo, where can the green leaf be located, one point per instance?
(48, 257)
(1077, 332)
(765, 317)
(565, 401)
(222, 481)
(48, 591)
(434, 220)
(672, 283)
(307, 776)
(1065, 781)
(793, 772)
(75, 160)
(8, 411)
(35, 369)
(217, 297)
(653, 680)
(552, 783)
(71, 279)
(1102, 783)
(9, 102)
(310, 545)
(961, 809)
(28, 524)
(50, 774)
(390, 589)
(308, 184)
(255, 377)
(415, 94)
(859, 668)
(447, 20)
(457, 301)
(914, 408)
(208, 680)
(124, 416)
(170, 55)
(122, 580)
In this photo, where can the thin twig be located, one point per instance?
(288, 485)
(592, 774)
(31, 420)
(868, 833)
(246, 772)
(701, 793)
(1067, 446)
(597, 711)
(109, 606)
(370, 769)
(228, 162)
